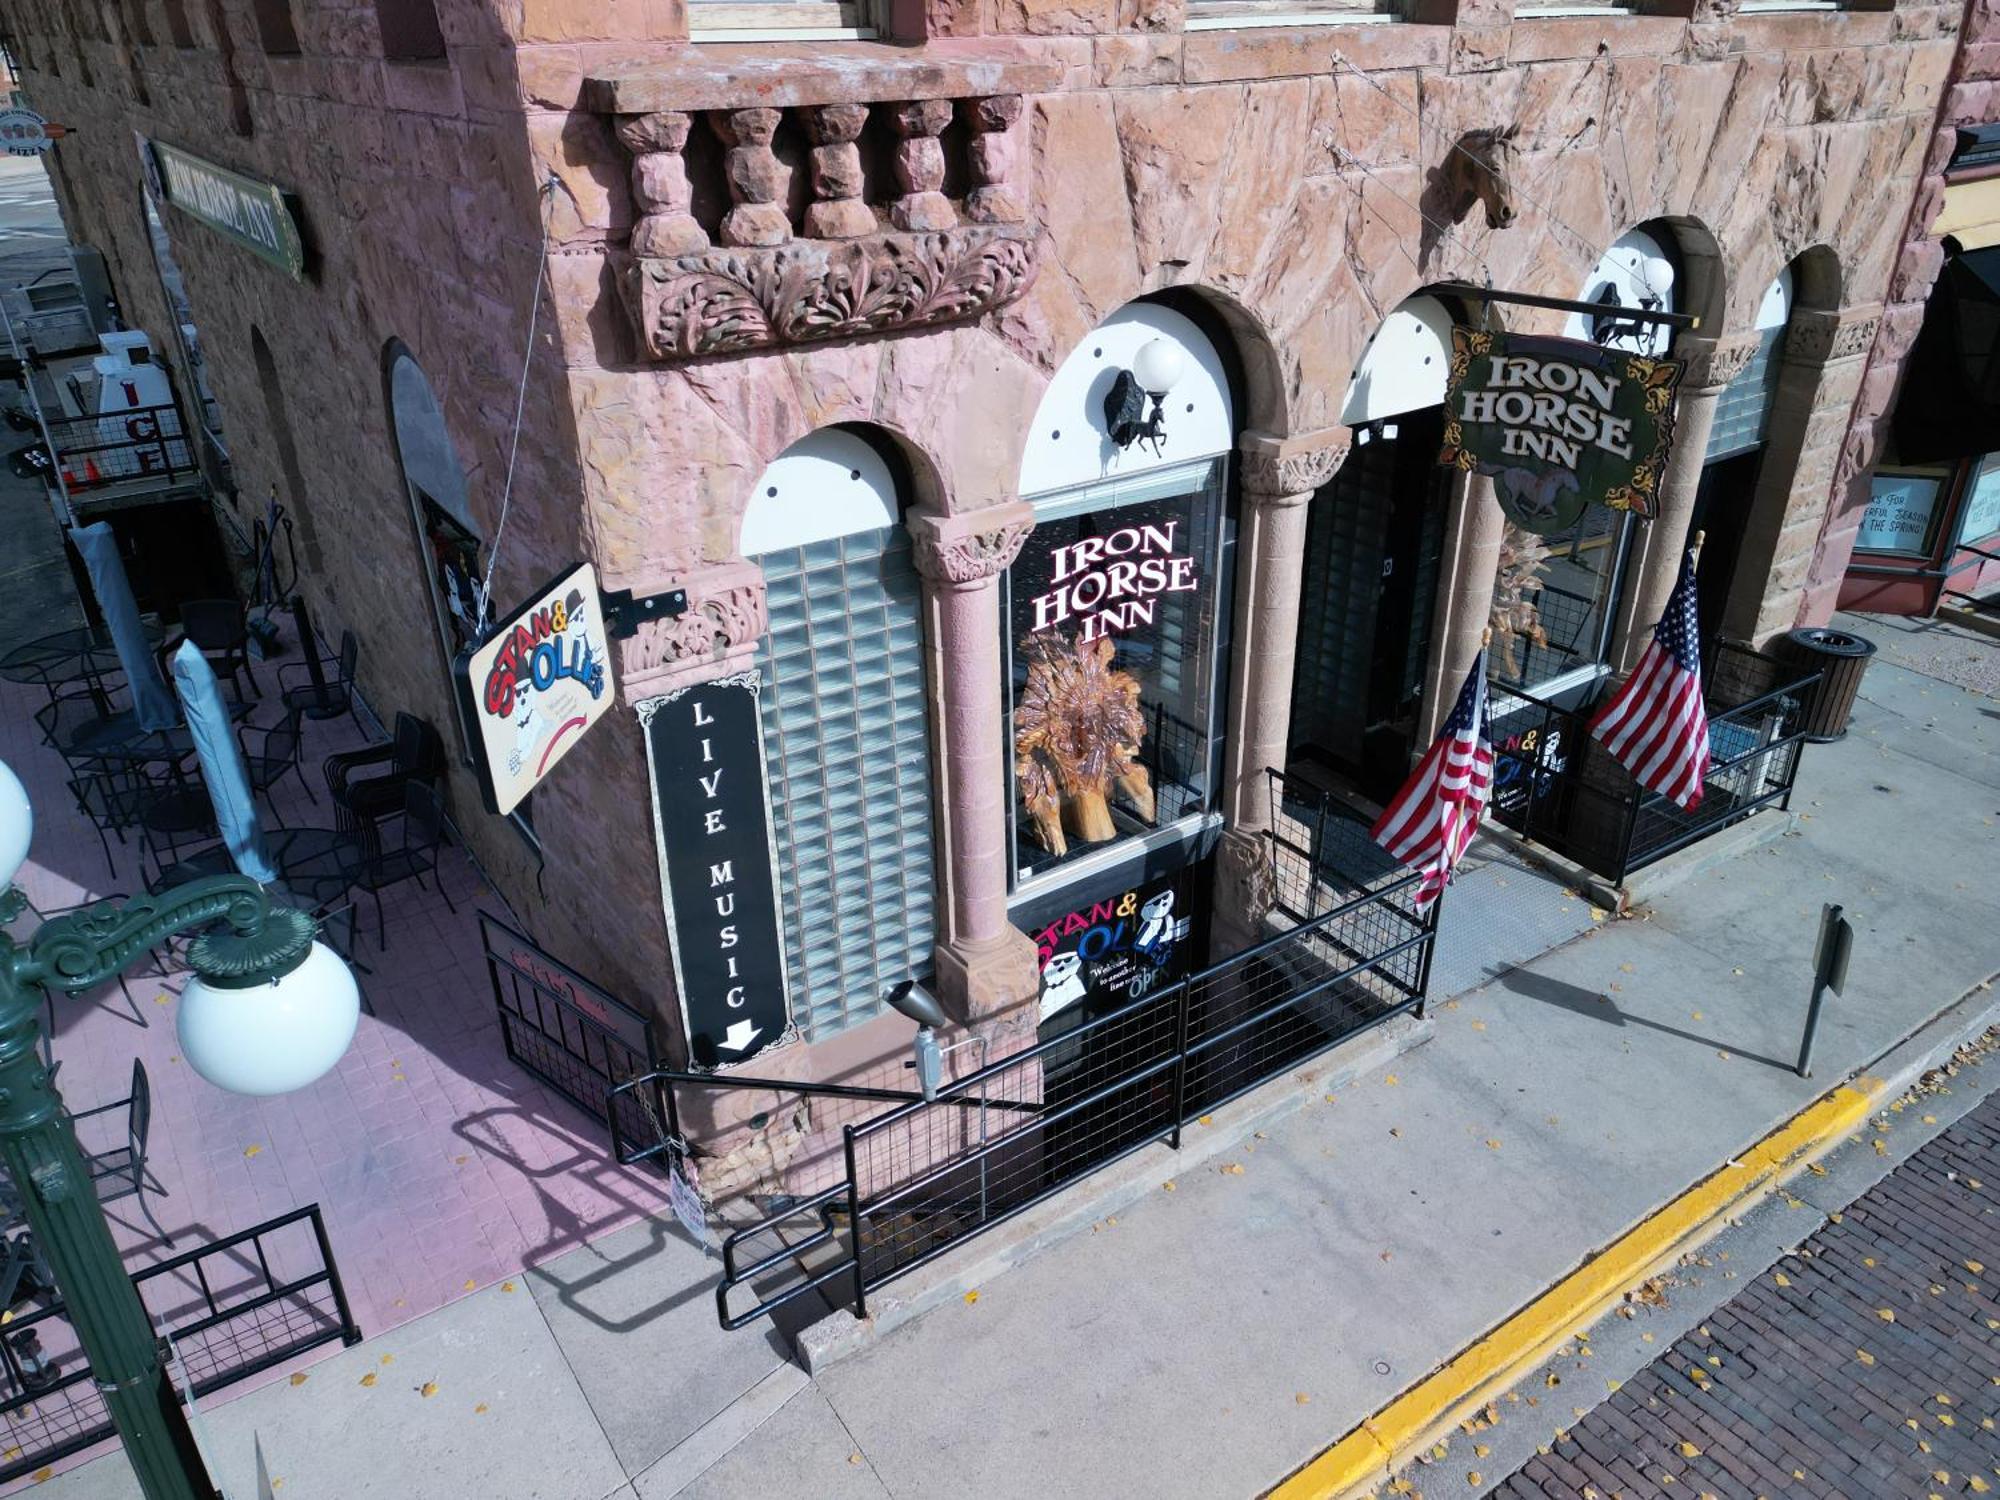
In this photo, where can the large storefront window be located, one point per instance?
(1111, 613)
(1558, 598)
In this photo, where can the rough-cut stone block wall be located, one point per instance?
(418, 204)
(1970, 96)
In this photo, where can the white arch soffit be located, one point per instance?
(1069, 444)
(829, 483)
(430, 461)
(1776, 308)
(1404, 365)
(1636, 267)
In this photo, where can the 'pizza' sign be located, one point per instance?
(1559, 424)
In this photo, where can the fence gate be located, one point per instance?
(575, 1036)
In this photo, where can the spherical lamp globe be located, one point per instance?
(270, 1035)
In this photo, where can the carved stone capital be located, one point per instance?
(1712, 363)
(725, 618)
(1286, 471)
(971, 546)
(1819, 338)
(1246, 885)
(731, 301)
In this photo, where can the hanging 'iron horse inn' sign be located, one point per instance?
(535, 685)
(719, 868)
(1558, 424)
(256, 214)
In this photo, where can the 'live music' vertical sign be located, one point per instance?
(718, 868)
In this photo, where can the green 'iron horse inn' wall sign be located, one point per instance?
(257, 215)
(1558, 424)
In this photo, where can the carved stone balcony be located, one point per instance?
(786, 198)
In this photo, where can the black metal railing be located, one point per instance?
(230, 1310)
(915, 1181)
(145, 444)
(1556, 785)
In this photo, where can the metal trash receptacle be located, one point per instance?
(1840, 658)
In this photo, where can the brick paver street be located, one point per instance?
(1867, 1363)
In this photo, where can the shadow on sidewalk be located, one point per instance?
(1601, 1007)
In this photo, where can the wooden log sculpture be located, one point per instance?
(1077, 732)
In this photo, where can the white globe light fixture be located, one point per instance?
(1158, 366)
(272, 1028)
(17, 825)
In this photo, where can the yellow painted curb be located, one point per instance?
(1372, 1452)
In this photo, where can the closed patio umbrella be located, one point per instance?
(152, 704)
(221, 763)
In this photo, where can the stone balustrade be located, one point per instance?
(861, 197)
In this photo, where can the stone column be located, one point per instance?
(1473, 533)
(756, 177)
(1655, 560)
(660, 188)
(985, 965)
(920, 166)
(838, 212)
(1278, 478)
(998, 196)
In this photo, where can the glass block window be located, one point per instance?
(1743, 411)
(847, 738)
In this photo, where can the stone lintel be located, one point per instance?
(1712, 363)
(1815, 337)
(1286, 470)
(725, 618)
(970, 546)
(761, 75)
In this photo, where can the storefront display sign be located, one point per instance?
(1900, 511)
(1982, 504)
(718, 864)
(1558, 424)
(1120, 948)
(256, 214)
(25, 133)
(536, 686)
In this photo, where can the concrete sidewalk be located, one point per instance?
(1211, 1339)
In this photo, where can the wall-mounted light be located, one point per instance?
(920, 1005)
(1155, 369)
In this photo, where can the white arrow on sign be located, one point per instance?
(741, 1035)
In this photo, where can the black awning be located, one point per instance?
(1950, 403)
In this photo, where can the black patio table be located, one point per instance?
(314, 863)
(67, 654)
(120, 735)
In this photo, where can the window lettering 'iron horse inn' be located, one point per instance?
(1032, 528)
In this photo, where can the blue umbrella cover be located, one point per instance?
(152, 704)
(221, 763)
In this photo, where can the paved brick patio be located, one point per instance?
(1801, 1386)
(439, 1165)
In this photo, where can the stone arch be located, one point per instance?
(1250, 352)
(1818, 278)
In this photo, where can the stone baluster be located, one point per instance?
(920, 166)
(756, 178)
(985, 965)
(1656, 561)
(660, 186)
(997, 196)
(1279, 479)
(837, 212)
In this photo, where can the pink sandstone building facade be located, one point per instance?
(810, 315)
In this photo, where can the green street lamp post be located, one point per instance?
(268, 1009)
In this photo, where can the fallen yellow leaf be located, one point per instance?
(471, 1285)
(298, 1377)
(1392, 1080)
(252, 1150)
(1782, 1279)
(369, 1379)
(428, 1389)
(1480, 1450)
(479, 1410)
(1206, 1120)
(1688, 1450)
(1864, 1356)
(1491, 1144)
(1473, 1477)
(1234, 1169)
(971, 1297)
(506, 1286)
(1885, 1314)
(1168, 1185)
(1302, 1398)
(854, 1458)
(1975, 1267)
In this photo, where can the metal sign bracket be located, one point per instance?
(623, 614)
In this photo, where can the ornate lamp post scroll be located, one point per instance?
(266, 949)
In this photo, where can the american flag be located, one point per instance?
(1431, 820)
(1656, 725)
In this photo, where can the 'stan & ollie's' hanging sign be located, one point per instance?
(535, 685)
(1559, 424)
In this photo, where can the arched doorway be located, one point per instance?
(846, 722)
(1374, 536)
(450, 541)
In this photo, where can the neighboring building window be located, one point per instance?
(1903, 510)
(846, 729)
(1221, 15)
(1111, 612)
(732, 21)
(410, 30)
(1981, 520)
(275, 27)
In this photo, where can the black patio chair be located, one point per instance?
(221, 631)
(374, 868)
(120, 1171)
(362, 802)
(113, 795)
(274, 756)
(334, 695)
